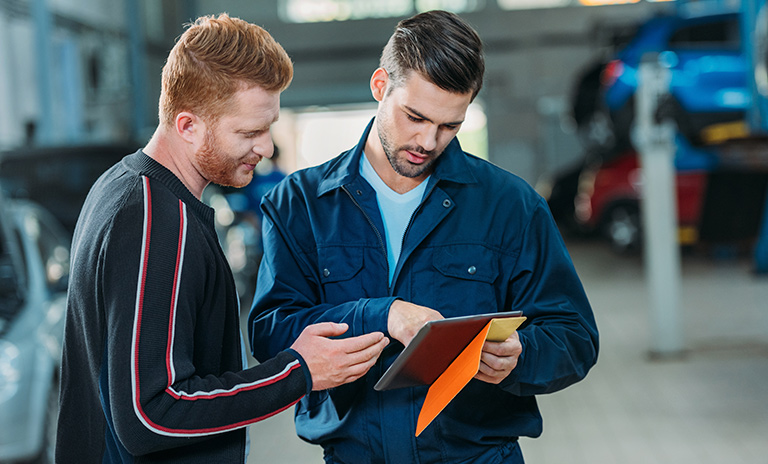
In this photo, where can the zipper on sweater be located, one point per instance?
(373, 226)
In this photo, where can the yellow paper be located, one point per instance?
(503, 327)
(462, 369)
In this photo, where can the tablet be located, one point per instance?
(433, 349)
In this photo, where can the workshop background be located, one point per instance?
(643, 123)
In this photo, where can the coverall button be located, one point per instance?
(447, 203)
(472, 270)
(326, 272)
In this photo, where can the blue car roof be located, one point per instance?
(654, 34)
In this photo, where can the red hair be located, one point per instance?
(214, 58)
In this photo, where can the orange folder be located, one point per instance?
(462, 369)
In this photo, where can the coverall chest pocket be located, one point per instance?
(464, 278)
(339, 268)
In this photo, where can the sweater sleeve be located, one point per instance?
(159, 376)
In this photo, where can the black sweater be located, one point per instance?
(152, 369)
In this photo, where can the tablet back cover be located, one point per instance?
(433, 349)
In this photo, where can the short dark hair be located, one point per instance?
(441, 47)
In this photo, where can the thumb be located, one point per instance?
(327, 329)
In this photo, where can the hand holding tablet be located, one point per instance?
(446, 355)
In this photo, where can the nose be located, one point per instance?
(428, 137)
(264, 146)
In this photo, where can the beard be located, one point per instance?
(217, 167)
(401, 165)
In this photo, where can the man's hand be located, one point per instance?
(499, 359)
(336, 362)
(405, 320)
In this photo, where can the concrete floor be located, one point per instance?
(709, 405)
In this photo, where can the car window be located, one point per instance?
(21, 263)
(13, 283)
(715, 34)
(53, 251)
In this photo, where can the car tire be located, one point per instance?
(597, 132)
(623, 120)
(622, 228)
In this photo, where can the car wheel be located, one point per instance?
(597, 132)
(623, 120)
(622, 227)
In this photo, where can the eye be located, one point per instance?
(252, 134)
(413, 118)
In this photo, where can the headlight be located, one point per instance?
(9, 370)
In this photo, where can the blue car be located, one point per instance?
(708, 87)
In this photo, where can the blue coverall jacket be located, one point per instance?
(481, 241)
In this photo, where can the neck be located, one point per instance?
(176, 155)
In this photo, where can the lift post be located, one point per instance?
(654, 137)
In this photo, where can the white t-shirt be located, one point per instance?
(396, 210)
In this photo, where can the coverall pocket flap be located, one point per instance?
(468, 262)
(339, 263)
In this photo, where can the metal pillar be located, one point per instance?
(654, 140)
(137, 59)
(755, 27)
(43, 56)
(761, 249)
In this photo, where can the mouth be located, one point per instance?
(416, 158)
(251, 165)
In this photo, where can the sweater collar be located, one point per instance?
(451, 166)
(145, 165)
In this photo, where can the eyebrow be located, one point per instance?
(246, 130)
(456, 123)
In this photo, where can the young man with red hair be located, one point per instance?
(153, 367)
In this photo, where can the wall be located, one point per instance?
(105, 58)
(63, 77)
(533, 57)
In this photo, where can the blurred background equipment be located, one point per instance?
(79, 84)
(58, 177)
(34, 265)
(715, 52)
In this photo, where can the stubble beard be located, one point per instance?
(217, 167)
(401, 165)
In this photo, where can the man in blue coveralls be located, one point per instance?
(406, 228)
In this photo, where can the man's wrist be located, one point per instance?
(376, 317)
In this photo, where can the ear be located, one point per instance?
(379, 82)
(189, 127)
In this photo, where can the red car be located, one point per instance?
(608, 200)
